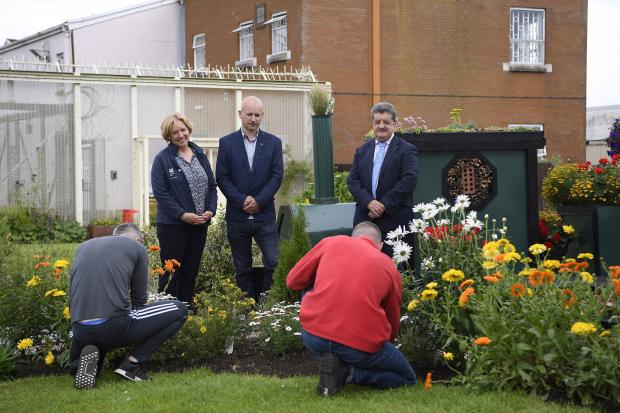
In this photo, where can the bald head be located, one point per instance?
(251, 115)
(369, 230)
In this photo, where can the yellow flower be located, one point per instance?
(453, 275)
(512, 256)
(586, 277)
(66, 314)
(530, 292)
(582, 329)
(429, 294)
(447, 356)
(509, 248)
(525, 273)
(62, 264)
(33, 282)
(605, 333)
(526, 260)
(488, 265)
(58, 293)
(431, 285)
(24, 344)
(412, 305)
(568, 229)
(50, 292)
(569, 260)
(585, 255)
(190, 317)
(49, 358)
(203, 329)
(551, 264)
(537, 249)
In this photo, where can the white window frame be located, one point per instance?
(540, 153)
(527, 40)
(199, 45)
(279, 34)
(246, 45)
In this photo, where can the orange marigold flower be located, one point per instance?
(569, 298)
(483, 341)
(57, 272)
(491, 278)
(169, 266)
(535, 278)
(500, 258)
(580, 266)
(154, 248)
(467, 283)
(547, 277)
(158, 271)
(42, 264)
(175, 262)
(517, 290)
(616, 284)
(464, 297)
(614, 271)
(427, 382)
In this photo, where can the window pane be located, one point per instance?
(527, 36)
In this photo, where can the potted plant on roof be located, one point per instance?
(588, 198)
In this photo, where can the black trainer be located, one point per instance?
(131, 371)
(333, 374)
(86, 374)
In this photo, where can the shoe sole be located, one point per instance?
(86, 375)
(125, 374)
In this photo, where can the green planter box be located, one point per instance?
(597, 228)
(503, 165)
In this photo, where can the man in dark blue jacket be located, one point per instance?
(383, 175)
(249, 172)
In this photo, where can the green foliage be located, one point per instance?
(278, 328)
(29, 225)
(291, 251)
(33, 299)
(341, 189)
(294, 171)
(218, 320)
(8, 363)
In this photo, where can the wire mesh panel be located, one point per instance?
(212, 111)
(106, 149)
(36, 157)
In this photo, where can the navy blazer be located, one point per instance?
(237, 181)
(397, 180)
(171, 188)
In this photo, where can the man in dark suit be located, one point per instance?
(384, 175)
(249, 172)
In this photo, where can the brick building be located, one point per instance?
(502, 62)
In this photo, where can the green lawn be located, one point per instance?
(203, 391)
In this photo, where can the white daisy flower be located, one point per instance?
(397, 233)
(402, 252)
(417, 225)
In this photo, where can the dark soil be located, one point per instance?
(247, 358)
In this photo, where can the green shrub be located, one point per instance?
(217, 322)
(8, 363)
(29, 225)
(291, 251)
(278, 328)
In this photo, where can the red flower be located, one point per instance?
(548, 244)
(543, 229)
(556, 237)
(598, 170)
(603, 161)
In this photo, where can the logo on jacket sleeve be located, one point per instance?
(171, 174)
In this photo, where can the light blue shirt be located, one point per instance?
(250, 147)
(387, 145)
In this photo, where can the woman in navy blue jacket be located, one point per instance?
(186, 194)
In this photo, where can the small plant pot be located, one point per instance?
(95, 231)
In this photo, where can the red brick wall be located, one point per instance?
(435, 55)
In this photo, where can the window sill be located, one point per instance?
(278, 57)
(246, 63)
(527, 67)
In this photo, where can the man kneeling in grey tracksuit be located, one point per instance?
(107, 292)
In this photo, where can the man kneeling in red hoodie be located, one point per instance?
(351, 313)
